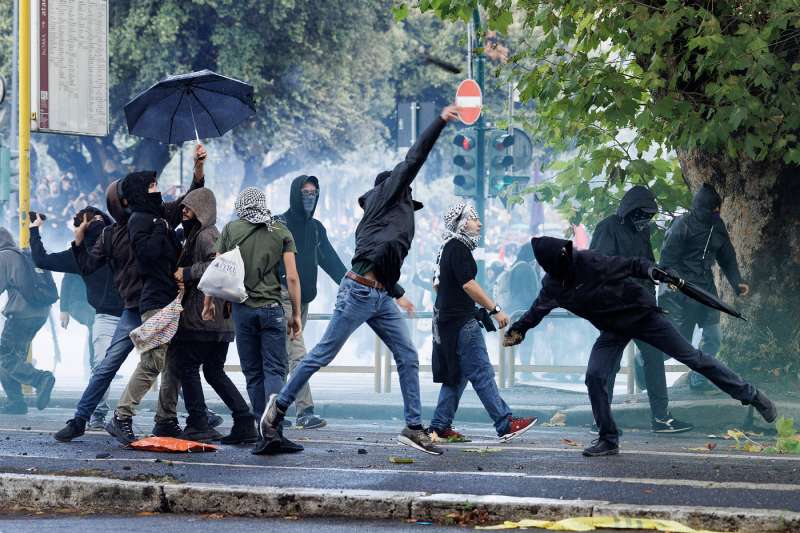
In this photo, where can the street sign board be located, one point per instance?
(469, 101)
(69, 66)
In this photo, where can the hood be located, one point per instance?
(637, 197)
(705, 201)
(525, 254)
(114, 202)
(548, 252)
(7, 240)
(134, 189)
(92, 211)
(362, 201)
(296, 209)
(204, 204)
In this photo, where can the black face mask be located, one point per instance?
(640, 220)
(154, 201)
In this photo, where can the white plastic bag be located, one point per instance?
(224, 278)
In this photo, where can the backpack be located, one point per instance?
(40, 288)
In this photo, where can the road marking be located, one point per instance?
(693, 483)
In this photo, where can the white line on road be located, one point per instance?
(728, 485)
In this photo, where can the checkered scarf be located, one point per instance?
(455, 221)
(251, 205)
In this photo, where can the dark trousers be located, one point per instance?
(15, 370)
(655, 380)
(185, 359)
(656, 330)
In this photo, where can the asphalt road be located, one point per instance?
(655, 470)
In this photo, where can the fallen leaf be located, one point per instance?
(711, 445)
(752, 447)
(400, 460)
(569, 442)
(558, 419)
(215, 516)
(703, 449)
(485, 449)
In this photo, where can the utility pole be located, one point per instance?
(24, 99)
(480, 128)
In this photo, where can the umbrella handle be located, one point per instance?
(194, 123)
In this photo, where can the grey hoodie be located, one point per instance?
(14, 273)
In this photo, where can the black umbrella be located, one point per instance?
(190, 106)
(701, 295)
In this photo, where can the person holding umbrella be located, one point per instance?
(603, 290)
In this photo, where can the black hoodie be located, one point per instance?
(311, 239)
(602, 289)
(698, 239)
(616, 235)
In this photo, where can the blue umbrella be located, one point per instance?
(190, 106)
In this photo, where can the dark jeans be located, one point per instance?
(655, 379)
(686, 313)
(261, 342)
(656, 330)
(15, 370)
(121, 345)
(185, 359)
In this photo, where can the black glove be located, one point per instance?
(514, 335)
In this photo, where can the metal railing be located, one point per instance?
(505, 371)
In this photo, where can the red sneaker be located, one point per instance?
(447, 435)
(517, 426)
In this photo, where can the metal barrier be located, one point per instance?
(505, 370)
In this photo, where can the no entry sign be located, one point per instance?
(469, 101)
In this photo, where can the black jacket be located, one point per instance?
(698, 239)
(599, 288)
(615, 235)
(384, 235)
(198, 252)
(311, 239)
(101, 291)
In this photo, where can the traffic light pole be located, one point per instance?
(480, 138)
(24, 100)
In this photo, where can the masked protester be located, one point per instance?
(627, 234)
(369, 292)
(114, 248)
(204, 343)
(24, 318)
(314, 250)
(603, 290)
(459, 349)
(694, 242)
(105, 304)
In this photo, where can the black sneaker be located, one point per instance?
(208, 434)
(600, 448)
(121, 429)
(765, 407)
(272, 418)
(418, 439)
(310, 421)
(288, 446)
(214, 420)
(242, 432)
(270, 445)
(594, 430)
(74, 429)
(167, 428)
(97, 422)
(14, 409)
(44, 390)
(670, 425)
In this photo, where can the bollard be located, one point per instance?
(376, 362)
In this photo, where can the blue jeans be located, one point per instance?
(103, 331)
(121, 345)
(477, 370)
(356, 304)
(261, 342)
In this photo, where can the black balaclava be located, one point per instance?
(705, 202)
(381, 177)
(555, 257)
(310, 200)
(640, 219)
(134, 188)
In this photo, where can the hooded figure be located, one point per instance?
(384, 235)
(14, 276)
(311, 239)
(599, 288)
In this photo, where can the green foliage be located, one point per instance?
(626, 84)
(788, 438)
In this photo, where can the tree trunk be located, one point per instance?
(762, 213)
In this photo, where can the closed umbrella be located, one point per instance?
(197, 105)
(701, 295)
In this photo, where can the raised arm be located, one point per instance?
(63, 261)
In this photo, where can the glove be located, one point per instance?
(513, 336)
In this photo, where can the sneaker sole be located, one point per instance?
(670, 431)
(601, 454)
(411, 444)
(511, 436)
(315, 426)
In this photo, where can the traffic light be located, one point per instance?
(465, 181)
(501, 161)
(6, 171)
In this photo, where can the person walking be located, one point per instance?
(204, 343)
(105, 302)
(627, 234)
(602, 290)
(369, 292)
(25, 312)
(459, 349)
(314, 250)
(259, 322)
(694, 242)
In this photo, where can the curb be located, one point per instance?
(36, 493)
